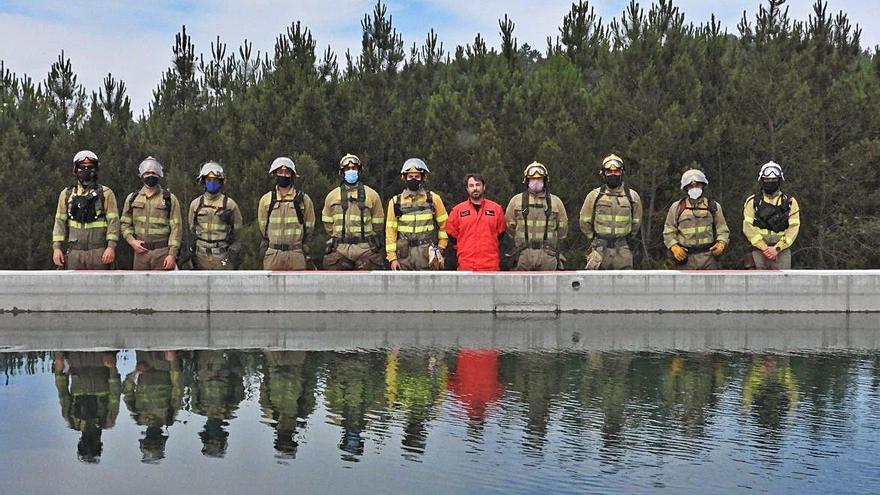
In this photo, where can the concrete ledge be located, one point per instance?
(700, 332)
(393, 292)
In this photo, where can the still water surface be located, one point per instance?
(518, 406)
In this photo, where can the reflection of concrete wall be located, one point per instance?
(313, 331)
(638, 291)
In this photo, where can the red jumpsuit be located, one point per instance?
(476, 234)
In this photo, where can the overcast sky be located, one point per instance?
(133, 40)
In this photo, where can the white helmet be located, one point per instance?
(83, 156)
(282, 161)
(211, 168)
(414, 165)
(150, 166)
(771, 170)
(693, 175)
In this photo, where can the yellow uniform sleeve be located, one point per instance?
(112, 217)
(510, 215)
(391, 233)
(308, 214)
(59, 230)
(263, 213)
(376, 212)
(327, 211)
(637, 212)
(441, 216)
(562, 229)
(751, 232)
(722, 231)
(586, 218)
(175, 237)
(126, 223)
(670, 229)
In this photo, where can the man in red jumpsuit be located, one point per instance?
(477, 225)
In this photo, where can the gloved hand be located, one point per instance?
(594, 260)
(718, 248)
(770, 253)
(678, 252)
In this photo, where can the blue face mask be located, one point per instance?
(351, 176)
(213, 186)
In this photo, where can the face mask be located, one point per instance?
(613, 181)
(695, 192)
(351, 176)
(151, 180)
(536, 186)
(87, 176)
(213, 186)
(283, 181)
(413, 184)
(770, 187)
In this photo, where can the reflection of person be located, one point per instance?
(287, 395)
(770, 391)
(216, 393)
(415, 383)
(476, 226)
(153, 393)
(475, 382)
(88, 391)
(355, 386)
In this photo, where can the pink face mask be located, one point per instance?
(536, 186)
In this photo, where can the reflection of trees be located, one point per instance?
(824, 381)
(355, 386)
(690, 384)
(153, 393)
(217, 390)
(605, 385)
(287, 394)
(88, 391)
(416, 383)
(17, 363)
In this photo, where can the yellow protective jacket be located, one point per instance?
(608, 214)
(416, 221)
(102, 230)
(693, 224)
(206, 226)
(762, 238)
(147, 217)
(284, 225)
(556, 222)
(346, 222)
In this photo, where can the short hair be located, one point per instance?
(474, 176)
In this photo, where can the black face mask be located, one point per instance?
(413, 184)
(613, 181)
(283, 181)
(87, 176)
(151, 180)
(770, 187)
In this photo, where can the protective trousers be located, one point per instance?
(86, 259)
(782, 262)
(616, 258)
(537, 260)
(354, 257)
(212, 262)
(276, 259)
(416, 259)
(699, 261)
(153, 259)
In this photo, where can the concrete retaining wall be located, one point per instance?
(612, 291)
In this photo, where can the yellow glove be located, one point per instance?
(718, 248)
(679, 253)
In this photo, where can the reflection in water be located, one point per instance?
(88, 391)
(217, 390)
(594, 413)
(153, 393)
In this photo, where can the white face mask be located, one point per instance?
(695, 192)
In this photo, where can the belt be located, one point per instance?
(203, 250)
(156, 244)
(612, 241)
(286, 247)
(353, 240)
(536, 245)
(418, 242)
(698, 249)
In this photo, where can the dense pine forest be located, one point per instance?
(665, 92)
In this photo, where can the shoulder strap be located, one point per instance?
(524, 205)
(398, 211)
(632, 204)
(548, 211)
(362, 204)
(595, 203)
(300, 215)
(682, 205)
(430, 199)
(130, 201)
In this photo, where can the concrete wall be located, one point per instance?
(255, 291)
(699, 332)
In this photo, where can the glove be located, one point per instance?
(594, 260)
(718, 248)
(679, 253)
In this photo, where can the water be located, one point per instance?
(439, 404)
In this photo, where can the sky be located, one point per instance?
(133, 39)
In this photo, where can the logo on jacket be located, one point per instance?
(464, 213)
(490, 213)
